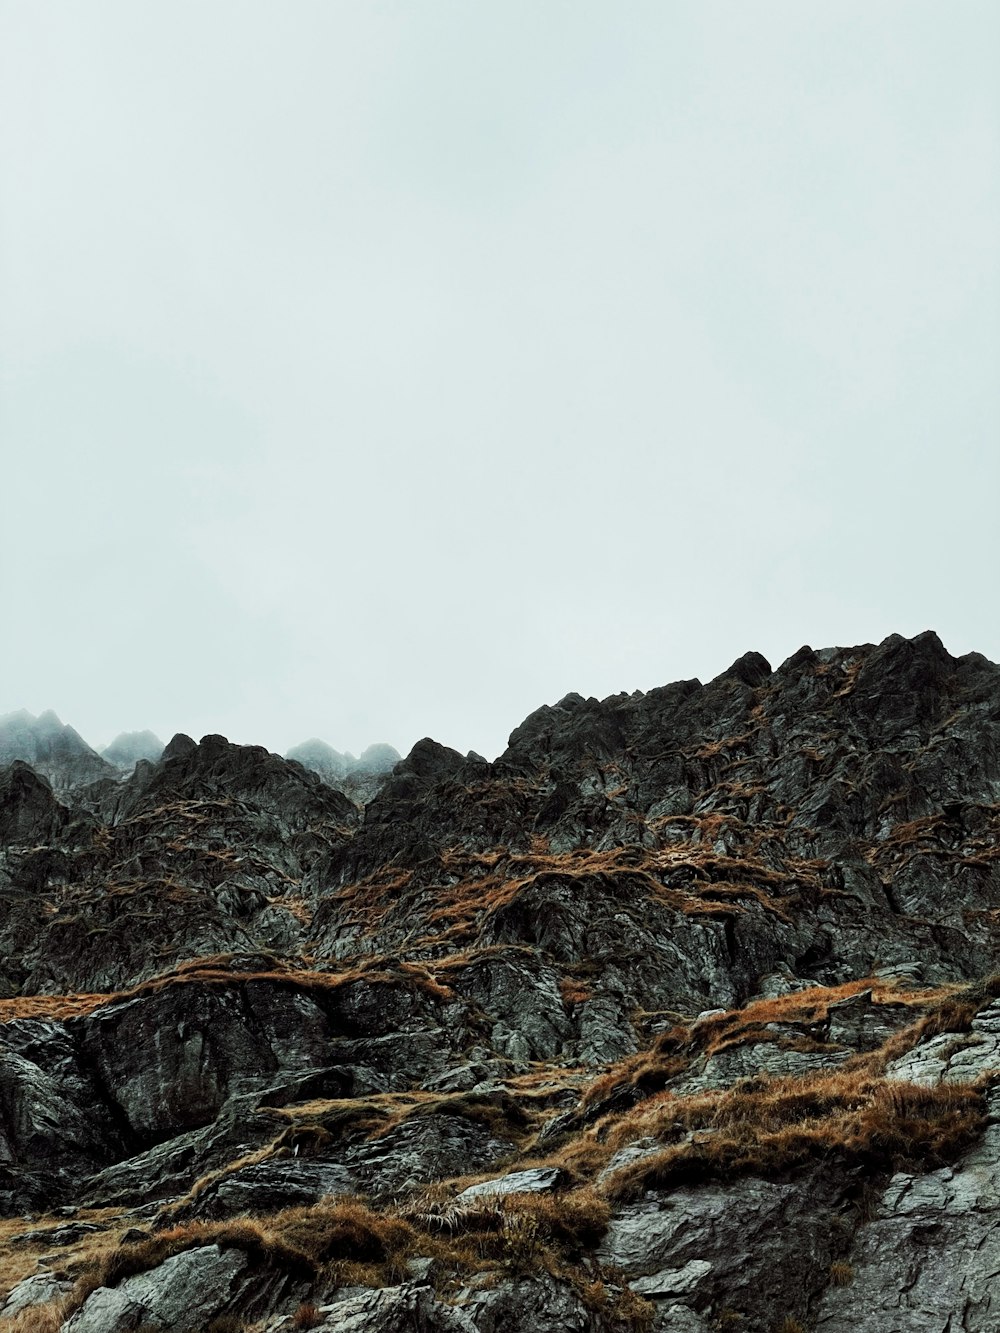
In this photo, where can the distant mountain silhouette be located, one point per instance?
(52, 748)
(126, 750)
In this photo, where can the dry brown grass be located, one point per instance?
(449, 906)
(774, 1126)
(50, 1006)
(575, 1222)
(767, 1127)
(936, 835)
(217, 973)
(19, 1260)
(300, 908)
(712, 749)
(671, 1053)
(574, 991)
(48, 1318)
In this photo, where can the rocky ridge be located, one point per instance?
(679, 1015)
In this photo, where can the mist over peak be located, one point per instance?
(129, 747)
(55, 750)
(343, 770)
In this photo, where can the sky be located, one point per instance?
(376, 370)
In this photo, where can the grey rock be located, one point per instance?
(538, 1304)
(678, 1319)
(954, 1057)
(538, 1180)
(929, 1260)
(405, 1309)
(34, 1290)
(758, 1247)
(523, 999)
(753, 1058)
(269, 1186)
(633, 1152)
(185, 1289)
(463, 1077)
(173, 1057)
(781, 982)
(668, 1282)
(422, 1149)
(861, 1025)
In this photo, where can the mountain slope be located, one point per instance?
(699, 978)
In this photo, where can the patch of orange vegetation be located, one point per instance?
(574, 991)
(672, 1052)
(216, 972)
(772, 1125)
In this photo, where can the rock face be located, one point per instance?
(931, 1252)
(682, 1014)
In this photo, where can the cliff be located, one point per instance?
(682, 1014)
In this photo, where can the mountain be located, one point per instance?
(681, 1015)
(358, 778)
(322, 758)
(127, 749)
(331, 765)
(55, 751)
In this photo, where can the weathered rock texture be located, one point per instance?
(678, 1015)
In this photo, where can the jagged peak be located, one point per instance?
(752, 669)
(322, 758)
(129, 747)
(179, 745)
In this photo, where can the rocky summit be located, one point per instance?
(682, 1015)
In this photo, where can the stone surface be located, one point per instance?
(930, 1259)
(756, 1247)
(540, 1180)
(267, 1187)
(182, 1293)
(407, 1309)
(542, 1305)
(954, 1057)
(34, 1290)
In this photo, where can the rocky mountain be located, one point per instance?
(54, 750)
(682, 1015)
(359, 778)
(126, 750)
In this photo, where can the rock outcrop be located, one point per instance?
(682, 1014)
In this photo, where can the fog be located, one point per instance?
(374, 370)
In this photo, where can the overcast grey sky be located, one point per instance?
(373, 370)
